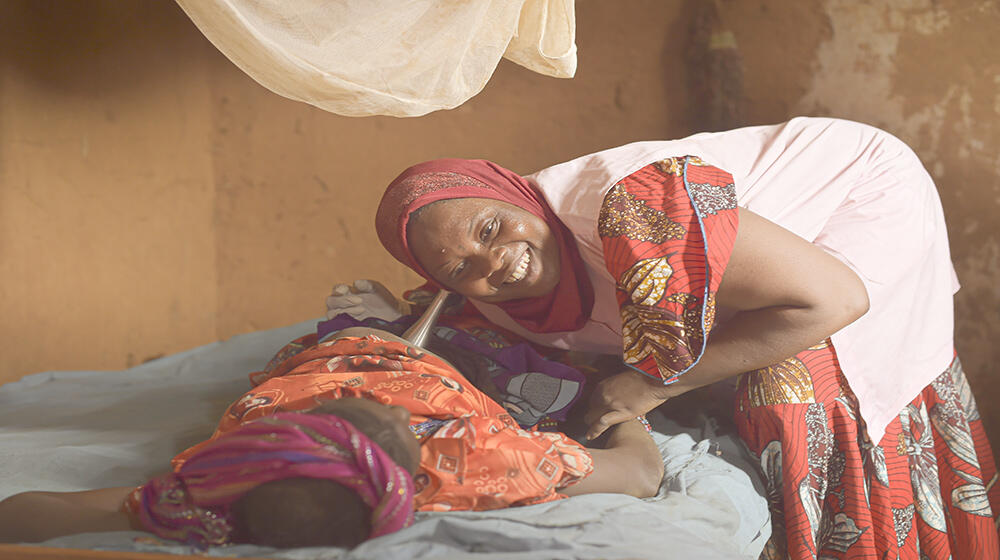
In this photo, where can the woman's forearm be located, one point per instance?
(629, 464)
(632, 439)
(759, 338)
(40, 516)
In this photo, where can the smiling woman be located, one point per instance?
(478, 229)
(809, 260)
(498, 252)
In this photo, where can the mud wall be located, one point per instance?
(929, 72)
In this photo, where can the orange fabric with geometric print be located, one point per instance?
(477, 459)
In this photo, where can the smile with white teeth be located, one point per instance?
(520, 270)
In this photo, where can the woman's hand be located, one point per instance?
(364, 299)
(623, 397)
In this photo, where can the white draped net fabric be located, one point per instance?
(403, 58)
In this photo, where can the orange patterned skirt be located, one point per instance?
(926, 491)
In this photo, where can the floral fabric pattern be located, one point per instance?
(667, 231)
(919, 494)
(926, 491)
(786, 382)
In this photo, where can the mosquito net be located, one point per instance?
(387, 57)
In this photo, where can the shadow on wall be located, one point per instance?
(65, 39)
(715, 66)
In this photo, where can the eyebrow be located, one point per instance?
(472, 224)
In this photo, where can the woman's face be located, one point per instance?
(485, 249)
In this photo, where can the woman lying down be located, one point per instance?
(341, 439)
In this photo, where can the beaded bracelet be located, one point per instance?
(645, 423)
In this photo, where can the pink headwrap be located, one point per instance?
(193, 504)
(566, 308)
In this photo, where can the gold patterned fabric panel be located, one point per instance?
(787, 382)
(695, 315)
(646, 280)
(625, 215)
(654, 332)
(675, 165)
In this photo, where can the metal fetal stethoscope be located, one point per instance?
(420, 331)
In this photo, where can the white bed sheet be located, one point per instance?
(78, 430)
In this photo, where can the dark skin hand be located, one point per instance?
(644, 393)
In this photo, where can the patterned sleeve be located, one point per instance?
(668, 230)
(487, 462)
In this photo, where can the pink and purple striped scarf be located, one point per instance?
(193, 504)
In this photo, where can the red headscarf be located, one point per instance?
(566, 308)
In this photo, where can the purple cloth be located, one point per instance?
(531, 387)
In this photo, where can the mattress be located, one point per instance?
(78, 430)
